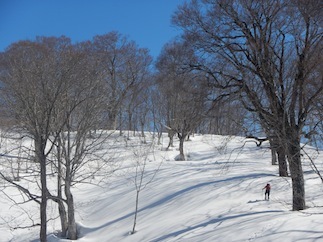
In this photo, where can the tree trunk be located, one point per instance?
(273, 147)
(181, 147)
(143, 132)
(41, 158)
(171, 139)
(273, 156)
(130, 121)
(282, 163)
(159, 136)
(113, 119)
(297, 175)
(72, 230)
(63, 218)
(278, 150)
(61, 206)
(43, 205)
(136, 212)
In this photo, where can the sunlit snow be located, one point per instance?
(215, 195)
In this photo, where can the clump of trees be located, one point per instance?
(184, 92)
(270, 52)
(63, 96)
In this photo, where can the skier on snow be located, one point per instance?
(267, 191)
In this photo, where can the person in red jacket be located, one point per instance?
(267, 191)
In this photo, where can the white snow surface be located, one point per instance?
(215, 195)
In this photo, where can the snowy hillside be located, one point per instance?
(216, 195)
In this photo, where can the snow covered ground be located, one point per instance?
(216, 195)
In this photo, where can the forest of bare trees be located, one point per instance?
(238, 65)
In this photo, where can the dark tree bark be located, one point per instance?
(296, 172)
(278, 152)
(282, 162)
(40, 145)
(182, 138)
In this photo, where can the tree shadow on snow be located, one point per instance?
(256, 201)
(210, 222)
(85, 230)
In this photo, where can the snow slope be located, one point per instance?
(216, 195)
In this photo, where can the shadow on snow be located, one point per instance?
(212, 221)
(177, 194)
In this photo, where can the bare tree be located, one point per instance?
(121, 65)
(142, 177)
(53, 94)
(31, 89)
(79, 113)
(142, 112)
(185, 93)
(157, 110)
(267, 50)
(135, 102)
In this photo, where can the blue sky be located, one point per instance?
(147, 22)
